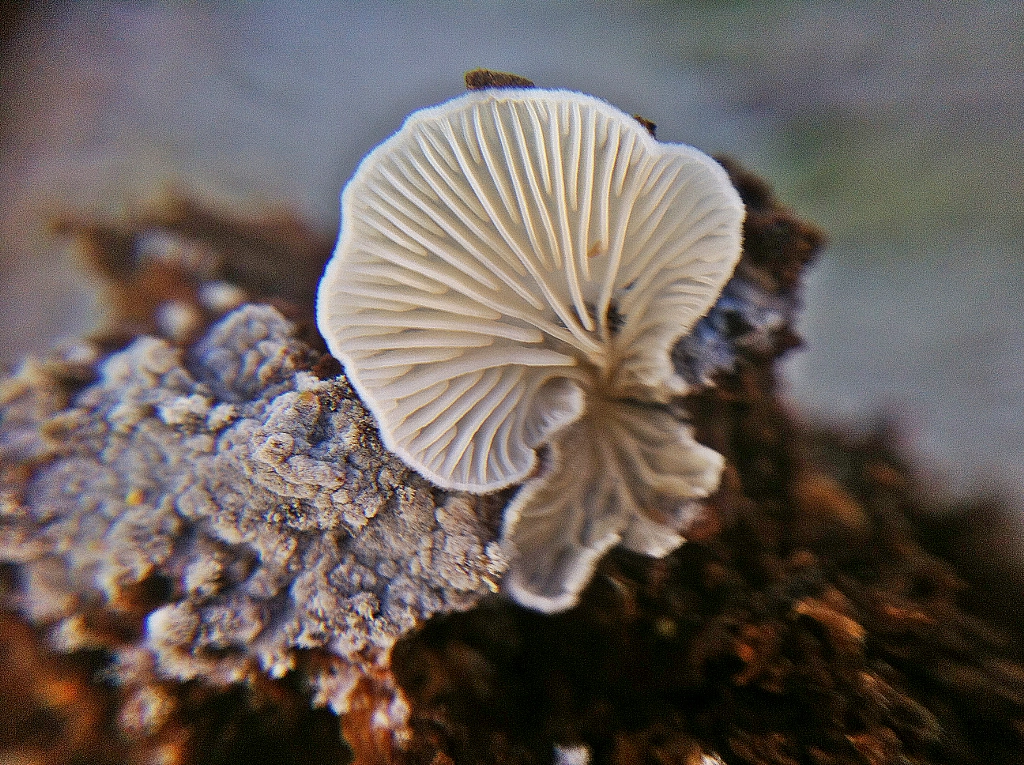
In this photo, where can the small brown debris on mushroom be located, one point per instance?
(478, 79)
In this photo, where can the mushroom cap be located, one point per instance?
(509, 255)
(626, 474)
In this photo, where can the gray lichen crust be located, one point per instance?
(257, 492)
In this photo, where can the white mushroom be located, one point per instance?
(513, 269)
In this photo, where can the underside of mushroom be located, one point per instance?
(513, 269)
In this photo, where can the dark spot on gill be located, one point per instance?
(614, 319)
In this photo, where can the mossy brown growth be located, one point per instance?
(198, 262)
(775, 240)
(803, 623)
(58, 710)
(53, 714)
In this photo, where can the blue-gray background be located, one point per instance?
(898, 126)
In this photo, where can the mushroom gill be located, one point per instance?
(513, 269)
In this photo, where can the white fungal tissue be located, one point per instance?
(513, 269)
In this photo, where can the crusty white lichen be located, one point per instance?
(258, 493)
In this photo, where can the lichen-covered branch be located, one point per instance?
(254, 494)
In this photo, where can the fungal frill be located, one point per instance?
(513, 269)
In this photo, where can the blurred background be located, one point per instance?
(896, 126)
